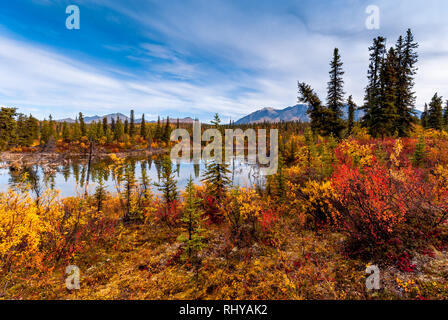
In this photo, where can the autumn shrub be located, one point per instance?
(168, 213)
(385, 211)
(38, 236)
(248, 218)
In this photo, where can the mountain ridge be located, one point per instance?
(297, 112)
(122, 117)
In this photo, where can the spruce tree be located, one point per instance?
(387, 116)
(335, 97)
(65, 132)
(216, 120)
(192, 223)
(167, 131)
(351, 115)
(82, 125)
(105, 125)
(168, 183)
(371, 107)
(407, 58)
(424, 117)
(216, 178)
(112, 125)
(316, 111)
(76, 131)
(126, 126)
(280, 182)
(128, 193)
(143, 132)
(119, 130)
(158, 130)
(132, 130)
(419, 152)
(435, 113)
(100, 195)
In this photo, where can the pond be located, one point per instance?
(70, 177)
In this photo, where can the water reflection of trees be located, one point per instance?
(100, 172)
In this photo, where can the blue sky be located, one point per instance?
(195, 58)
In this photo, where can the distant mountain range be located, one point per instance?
(294, 113)
(122, 118)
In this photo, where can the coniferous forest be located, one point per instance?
(350, 192)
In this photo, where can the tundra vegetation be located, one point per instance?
(348, 194)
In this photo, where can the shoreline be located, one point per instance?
(53, 159)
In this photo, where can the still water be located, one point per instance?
(70, 177)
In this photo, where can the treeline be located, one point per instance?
(18, 130)
(389, 103)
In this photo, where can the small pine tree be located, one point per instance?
(100, 195)
(167, 185)
(193, 235)
(216, 178)
(216, 120)
(280, 182)
(419, 152)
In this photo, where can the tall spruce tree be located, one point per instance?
(407, 59)
(334, 124)
(371, 107)
(316, 111)
(387, 115)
